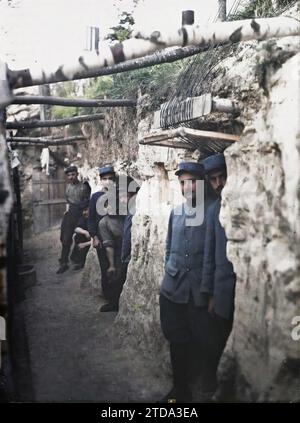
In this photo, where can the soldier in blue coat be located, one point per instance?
(107, 176)
(218, 279)
(181, 302)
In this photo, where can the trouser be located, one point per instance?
(68, 225)
(116, 284)
(79, 255)
(216, 331)
(182, 326)
(103, 262)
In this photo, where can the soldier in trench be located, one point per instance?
(115, 232)
(77, 196)
(107, 178)
(82, 241)
(218, 279)
(181, 303)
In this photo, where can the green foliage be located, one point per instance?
(61, 112)
(261, 8)
(123, 30)
(156, 80)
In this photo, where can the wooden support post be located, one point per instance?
(44, 142)
(75, 102)
(53, 123)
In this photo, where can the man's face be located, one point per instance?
(188, 185)
(217, 179)
(107, 179)
(72, 177)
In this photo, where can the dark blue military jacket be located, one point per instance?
(184, 258)
(94, 218)
(218, 277)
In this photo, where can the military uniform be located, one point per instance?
(111, 233)
(77, 196)
(218, 282)
(93, 228)
(181, 301)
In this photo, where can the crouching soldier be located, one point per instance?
(82, 241)
(181, 303)
(77, 196)
(218, 280)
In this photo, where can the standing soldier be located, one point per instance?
(107, 176)
(77, 196)
(181, 302)
(218, 281)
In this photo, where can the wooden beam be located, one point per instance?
(75, 102)
(195, 135)
(53, 123)
(173, 143)
(43, 142)
(146, 42)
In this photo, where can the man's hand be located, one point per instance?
(87, 235)
(96, 242)
(211, 306)
(81, 246)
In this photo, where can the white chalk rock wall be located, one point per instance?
(260, 212)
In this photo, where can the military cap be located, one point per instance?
(190, 167)
(71, 168)
(106, 169)
(214, 162)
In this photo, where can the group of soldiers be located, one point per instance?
(102, 225)
(197, 291)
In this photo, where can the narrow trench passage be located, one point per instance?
(73, 354)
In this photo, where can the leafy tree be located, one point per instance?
(123, 30)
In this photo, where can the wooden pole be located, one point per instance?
(212, 35)
(18, 141)
(53, 123)
(75, 102)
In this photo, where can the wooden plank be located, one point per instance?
(51, 181)
(220, 136)
(196, 135)
(50, 202)
(55, 122)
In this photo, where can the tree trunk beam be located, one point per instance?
(53, 123)
(212, 35)
(24, 141)
(75, 102)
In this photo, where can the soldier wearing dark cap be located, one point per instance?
(77, 196)
(181, 302)
(107, 176)
(218, 280)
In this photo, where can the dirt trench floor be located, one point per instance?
(73, 354)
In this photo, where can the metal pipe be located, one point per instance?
(188, 17)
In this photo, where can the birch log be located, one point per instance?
(144, 43)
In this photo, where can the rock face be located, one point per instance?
(260, 213)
